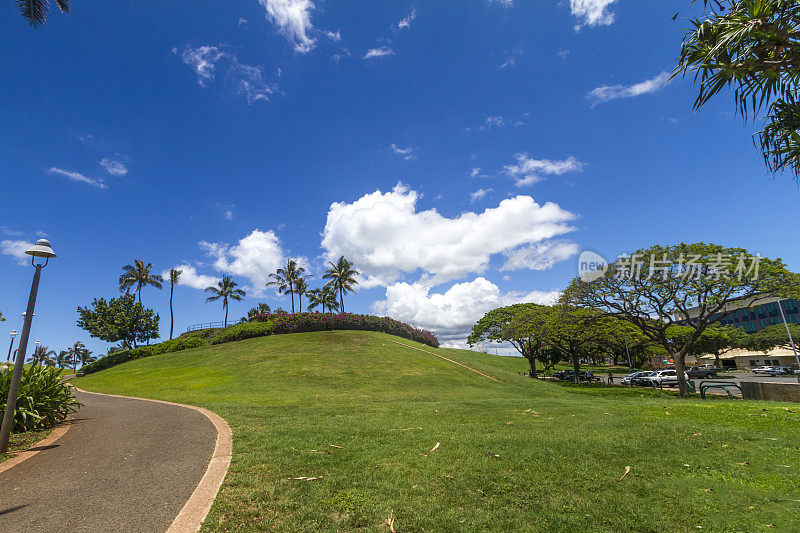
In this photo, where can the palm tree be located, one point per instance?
(342, 278)
(35, 11)
(225, 289)
(139, 275)
(300, 288)
(174, 276)
(325, 297)
(41, 354)
(77, 352)
(60, 360)
(260, 309)
(285, 277)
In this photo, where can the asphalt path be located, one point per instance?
(124, 465)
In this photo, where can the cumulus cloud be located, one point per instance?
(254, 257)
(8, 231)
(480, 194)
(293, 19)
(528, 171)
(16, 249)
(592, 12)
(385, 235)
(476, 173)
(540, 256)
(407, 20)
(451, 314)
(499, 121)
(115, 168)
(375, 53)
(78, 177)
(607, 93)
(243, 79)
(406, 153)
(191, 278)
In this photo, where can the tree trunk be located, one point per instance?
(341, 300)
(576, 365)
(717, 362)
(171, 318)
(680, 366)
(291, 293)
(225, 305)
(300, 302)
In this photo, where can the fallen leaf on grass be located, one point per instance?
(784, 466)
(696, 434)
(789, 410)
(627, 471)
(491, 455)
(706, 490)
(479, 490)
(335, 446)
(606, 413)
(306, 478)
(509, 423)
(434, 448)
(390, 522)
(409, 429)
(769, 525)
(742, 464)
(315, 451)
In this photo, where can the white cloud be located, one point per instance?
(385, 236)
(527, 170)
(115, 168)
(8, 231)
(451, 314)
(476, 173)
(407, 20)
(562, 54)
(343, 54)
(607, 93)
(406, 153)
(78, 177)
(242, 21)
(334, 35)
(243, 79)
(41, 234)
(374, 53)
(502, 3)
(540, 256)
(191, 278)
(480, 194)
(255, 257)
(228, 214)
(498, 121)
(16, 249)
(592, 12)
(293, 19)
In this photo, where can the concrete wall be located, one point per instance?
(781, 392)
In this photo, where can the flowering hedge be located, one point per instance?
(305, 322)
(123, 356)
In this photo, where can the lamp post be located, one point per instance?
(13, 334)
(791, 340)
(42, 250)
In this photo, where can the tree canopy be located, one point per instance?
(121, 319)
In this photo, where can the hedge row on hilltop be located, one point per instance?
(269, 324)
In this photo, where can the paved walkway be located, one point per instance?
(124, 465)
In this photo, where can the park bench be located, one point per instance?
(724, 385)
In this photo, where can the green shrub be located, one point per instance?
(116, 358)
(43, 400)
(246, 330)
(207, 333)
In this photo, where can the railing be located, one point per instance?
(205, 325)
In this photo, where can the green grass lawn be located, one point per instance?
(513, 455)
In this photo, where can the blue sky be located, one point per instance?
(461, 157)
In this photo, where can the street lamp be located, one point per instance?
(41, 250)
(13, 334)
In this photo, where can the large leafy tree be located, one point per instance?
(686, 284)
(122, 320)
(774, 336)
(174, 279)
(342, 276)
(715, 340)
(225, 290)
(283, 279)
(517, 325)
(137, 276)
(36, 11)
(753, 47)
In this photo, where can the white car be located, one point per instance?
(665, 378)
(627, 381)
(769, 370)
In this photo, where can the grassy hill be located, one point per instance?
(363, 414)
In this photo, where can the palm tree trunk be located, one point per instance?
(341, 298)
(171, 318)
(300, 301)
(291, 293)
(225, 305)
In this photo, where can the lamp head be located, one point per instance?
(41, 249)
(13, 333)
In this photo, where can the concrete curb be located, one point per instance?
(194, 512)
(54, 435)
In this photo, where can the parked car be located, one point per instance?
(627, 381)
(569, 375)
(643, 379)
(664, 378)
(772, 370)
(702, 372)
